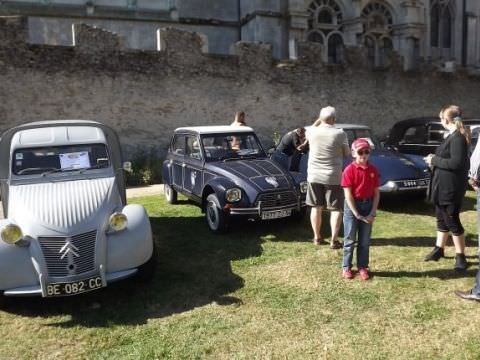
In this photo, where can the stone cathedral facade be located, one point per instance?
(444, 33)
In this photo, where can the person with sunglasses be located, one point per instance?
(360, 182)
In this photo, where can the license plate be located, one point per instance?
(74, 287)
(276, 214)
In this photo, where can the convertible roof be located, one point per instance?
(218, 129)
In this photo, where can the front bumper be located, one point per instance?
(405, 185)
(257, 211)
(36, 290)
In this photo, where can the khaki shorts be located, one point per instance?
(329, 196)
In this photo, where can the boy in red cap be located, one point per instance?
(360, 182)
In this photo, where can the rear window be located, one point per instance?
(59, 158)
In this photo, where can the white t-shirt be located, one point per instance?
(328, 146)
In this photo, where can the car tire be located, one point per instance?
(170, 193)
(214, 215)
(146, 271)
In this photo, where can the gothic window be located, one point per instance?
(434, 24)
(370, 45)
(325, 17)
(335, 49)
(377, 25)
(441, 24)
(315, 36)
(385, 52)
(377, 18)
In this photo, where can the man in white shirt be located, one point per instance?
(328, 147)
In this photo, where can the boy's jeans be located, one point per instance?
(352, 226)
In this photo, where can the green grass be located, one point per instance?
(264, 291)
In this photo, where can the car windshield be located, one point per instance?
(353, 134)
(231, 146)
(47, 160)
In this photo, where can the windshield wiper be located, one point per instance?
(55, 170)
(98, 166)
(21, 172)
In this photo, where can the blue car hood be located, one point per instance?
(258, 173)
(396, 166)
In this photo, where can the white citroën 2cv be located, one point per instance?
(67, 226)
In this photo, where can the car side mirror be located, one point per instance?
(127, 166)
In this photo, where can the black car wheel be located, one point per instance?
(170, 194)
(215, 216)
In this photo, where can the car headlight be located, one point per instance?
(303, 187)
(118, 221)
(11, 234)
(233, 195)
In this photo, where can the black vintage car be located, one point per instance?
(225, 170)
(421, 136)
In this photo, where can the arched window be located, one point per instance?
(434, 25)
(446, 29)
(385, 52)
(335, 49)
(441, 24)
(315, 36)
(325, 17)
(370, 45)
(377, 26)
(377, 18)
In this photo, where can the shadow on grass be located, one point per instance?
(443, 274)
(193, 270)
(420, 241)
(413, 204)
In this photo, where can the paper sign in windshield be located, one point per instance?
(75, 160)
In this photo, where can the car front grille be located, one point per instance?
(69, 256)
(276, 199)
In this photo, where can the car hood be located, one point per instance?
(263, 174)
(393, 165)
(61, 206)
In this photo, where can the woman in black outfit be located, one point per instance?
(448, 184)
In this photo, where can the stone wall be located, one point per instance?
(147, 94)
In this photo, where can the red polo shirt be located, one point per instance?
(362, 180)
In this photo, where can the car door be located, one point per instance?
(178, 160)
(192, 176)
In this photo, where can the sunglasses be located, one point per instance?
(363, 152)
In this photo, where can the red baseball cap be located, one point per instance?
(360, 143)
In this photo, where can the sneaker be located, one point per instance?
(460, 262)
(435, 254)
(347, 273)
(364, 273)
(317, 241)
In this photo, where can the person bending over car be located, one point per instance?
(294, 144)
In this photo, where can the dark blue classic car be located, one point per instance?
(400, 173)
(225, 170)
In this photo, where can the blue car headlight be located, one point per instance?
(303, 187)
(233, 195)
